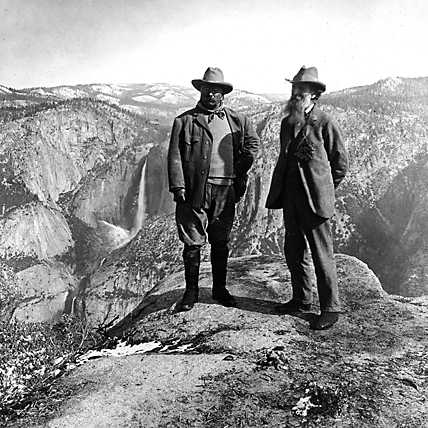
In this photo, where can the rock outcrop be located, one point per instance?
(247, 366)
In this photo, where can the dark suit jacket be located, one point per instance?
(190, 147)
(322, 173)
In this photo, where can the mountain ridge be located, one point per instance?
(388, 83)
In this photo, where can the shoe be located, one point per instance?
(293, 307)
(325, 320)
(184, 307)
(219, 254)
(224, 298)
(189, 299)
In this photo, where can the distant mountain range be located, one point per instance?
(162, 101)
(391, 87)
(159, 99)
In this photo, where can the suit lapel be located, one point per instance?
(233, 119)
(235, 125)
(201, 119)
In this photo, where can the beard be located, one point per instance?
(295, 112)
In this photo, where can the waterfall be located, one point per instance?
(112, 235)
(141, 204)
(116, 236)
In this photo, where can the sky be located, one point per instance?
(257, 43)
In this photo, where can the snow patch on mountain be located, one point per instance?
(145, 98)
(112, 90)
(68, 92)
(249, 96)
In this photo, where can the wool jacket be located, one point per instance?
(322, 166)
(190, 147)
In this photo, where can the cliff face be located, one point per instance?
(65, 168)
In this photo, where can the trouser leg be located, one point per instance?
(191, 226)
(321, 244)
(297, 253)
(192, 260)
(220, 215)
(219, 255)
(298, 262)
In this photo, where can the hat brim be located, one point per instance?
(226, 87)
(318, 85)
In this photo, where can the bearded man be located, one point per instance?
(312, 162)
(210, 152)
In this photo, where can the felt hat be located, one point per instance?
(213, 76)
(308, 75)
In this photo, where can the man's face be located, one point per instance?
(211, 96)
(301, 96)
(300, 100)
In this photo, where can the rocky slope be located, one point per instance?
(247, 366)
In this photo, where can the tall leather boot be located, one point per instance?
(219, 255)
(192, 260)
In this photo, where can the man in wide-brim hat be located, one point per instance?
(210, 152)
(311, 164)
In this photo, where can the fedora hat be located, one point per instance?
(213, 76)
(307, 75)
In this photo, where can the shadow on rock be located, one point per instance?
(168, 301)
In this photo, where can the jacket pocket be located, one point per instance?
(195, 139)
(187, 150)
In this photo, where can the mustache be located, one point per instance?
(294, 104)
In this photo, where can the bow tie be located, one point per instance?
(211, 113)
(220, 113)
